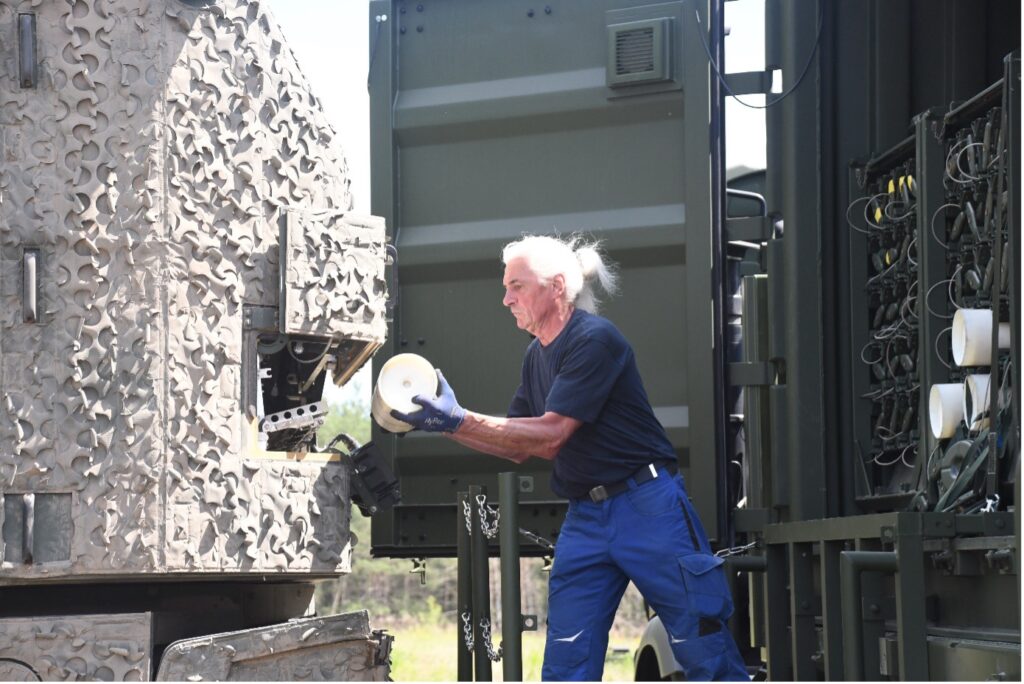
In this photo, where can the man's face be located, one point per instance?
(531, 301)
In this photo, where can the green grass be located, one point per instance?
(427, 653)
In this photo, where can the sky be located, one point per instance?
(330, 41)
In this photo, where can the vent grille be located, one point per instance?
(634, 51)
(638, 52)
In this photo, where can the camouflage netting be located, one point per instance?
(150, 166)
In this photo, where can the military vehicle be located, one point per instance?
(181, 276)
(790, 353)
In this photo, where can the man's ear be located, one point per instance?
(558, 284)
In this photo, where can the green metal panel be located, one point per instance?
(493, 119)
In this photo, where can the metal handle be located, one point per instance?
(392, 261)
(27, 50)
(28, 502)
(30, 286)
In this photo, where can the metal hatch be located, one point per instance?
(491, 119)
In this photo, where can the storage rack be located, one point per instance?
(885, 216)
(969, 470)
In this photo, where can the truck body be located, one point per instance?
(789, 348)
(181, 276)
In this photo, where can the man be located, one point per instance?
(581, 403)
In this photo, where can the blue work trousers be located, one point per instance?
(649, 534)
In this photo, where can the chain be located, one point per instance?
(468, 515)
(467, 630)
(485, 634)
(736, 550)
(490, 530)
(537, 539)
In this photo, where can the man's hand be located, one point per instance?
(439, 414)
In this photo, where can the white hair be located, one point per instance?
(579, 262)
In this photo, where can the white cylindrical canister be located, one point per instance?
(945, 409)
(400, 379)
(976, 388)
(972, 337)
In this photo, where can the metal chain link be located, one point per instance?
(467, 630)
(735, 551)
(468, 515)
(490, 530)
(485, 634)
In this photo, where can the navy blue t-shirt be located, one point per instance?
(589, 373)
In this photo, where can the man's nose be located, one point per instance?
(507, 300)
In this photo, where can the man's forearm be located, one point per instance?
(513, 438)
(488, 448)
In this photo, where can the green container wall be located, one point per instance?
(493, 119)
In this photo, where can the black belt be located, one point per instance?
(646, 474)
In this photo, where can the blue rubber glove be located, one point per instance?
(439, 414)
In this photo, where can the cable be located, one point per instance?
(913, 262)
(350, 443)
(929, 294)
(868, 220)
(952, 278)
(849, 222)
(959, 156)
(938, 353)
(904, 453)
(884, 393)
(883, 273)
(721, 80)
(934, 235)
(291, 351)
(949, 156)
(888, 361)
(877, 461)
(864, 349)
(885, 211)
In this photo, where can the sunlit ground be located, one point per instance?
(428, 653)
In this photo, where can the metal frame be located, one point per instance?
(850, 599)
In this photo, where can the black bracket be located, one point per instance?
(749, 82)
(749, 229)
(374, 484)
(747, 374)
